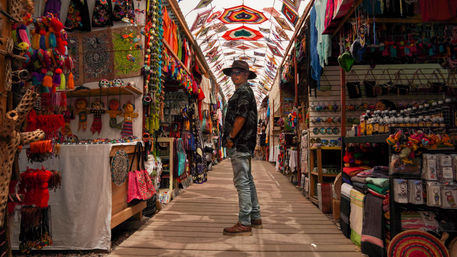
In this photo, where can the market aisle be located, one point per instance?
(191, 225)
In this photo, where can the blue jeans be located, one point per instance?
(244, 184)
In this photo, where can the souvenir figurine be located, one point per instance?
(129, 115)
(81, 110)
(113, 112)
(97, 108)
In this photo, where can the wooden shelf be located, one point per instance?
(324, 175)
(326, 148)
(367, 139)
(170, 50)
(109, 91)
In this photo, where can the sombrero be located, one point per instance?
(416, 243)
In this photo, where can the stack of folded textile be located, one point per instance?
(345, 209)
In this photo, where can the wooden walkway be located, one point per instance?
(191, 225)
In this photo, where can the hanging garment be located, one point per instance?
(436, 10)
(102, 15)
(123, 9)
(52, 6)
(316, 68)
(356, 217)
(78, 16)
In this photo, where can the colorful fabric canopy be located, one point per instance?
(242, 33)
(266, 28)
(242, 14)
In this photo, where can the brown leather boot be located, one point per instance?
(256, 223)
(238, 230)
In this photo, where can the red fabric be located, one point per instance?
(140, 186)
(201, 96)
(436, 10)
(352, 171)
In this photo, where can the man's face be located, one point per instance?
(239, 76)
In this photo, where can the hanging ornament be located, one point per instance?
(97, 108)
(129, 115)
(81, 110)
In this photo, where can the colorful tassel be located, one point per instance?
(47, 80)
(52, 40)
(71, 82)
(43, 42)
(36, 41)
(56, 80)
(62, 81)
(22, 31)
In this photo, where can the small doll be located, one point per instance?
(97, 108)
(81, 110)
(129, 115)
(113, 112)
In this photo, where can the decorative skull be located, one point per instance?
(118, 83)
(131, 83)
(104, 83)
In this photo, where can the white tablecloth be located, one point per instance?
(81, 209)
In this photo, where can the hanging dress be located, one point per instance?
(102, 15)
(78, 16)
(123, 9)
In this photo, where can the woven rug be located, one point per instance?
(416, 243)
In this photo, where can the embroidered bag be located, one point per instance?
(140, 184)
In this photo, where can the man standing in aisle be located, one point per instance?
(240, 129)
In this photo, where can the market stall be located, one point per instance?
(381, 114)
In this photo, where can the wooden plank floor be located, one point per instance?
(191, 225)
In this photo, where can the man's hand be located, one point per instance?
(229, 143)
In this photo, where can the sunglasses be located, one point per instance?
(237, 72)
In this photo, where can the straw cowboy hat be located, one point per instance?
(237, 64)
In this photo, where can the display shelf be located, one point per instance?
(317, 159)
(170, 142)
(109, 91)
(381, 138)
(326, 148)
(323, 174)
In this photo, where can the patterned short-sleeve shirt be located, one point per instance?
(243, 104)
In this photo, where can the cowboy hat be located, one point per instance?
(237, 64)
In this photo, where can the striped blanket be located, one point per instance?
(345, 209)
(356, 218)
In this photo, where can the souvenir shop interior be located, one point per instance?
(108, 111)
(363, 120)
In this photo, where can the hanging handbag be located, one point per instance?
(140, 185)
(401, 85)
(353, 85)
(369, 83)
(437, 82)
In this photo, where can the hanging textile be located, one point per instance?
(316, 68)
(78, 16)
(102, 15)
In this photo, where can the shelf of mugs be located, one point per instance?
(325, 142)
(325, 131)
